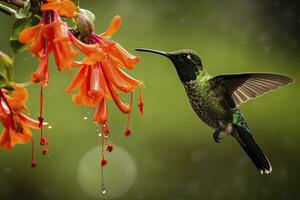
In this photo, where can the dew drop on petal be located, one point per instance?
(85, 118)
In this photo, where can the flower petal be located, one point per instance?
(18, 98)
(130, 80)
(32, 123)
(9, 137)
(113, 27)
(87, 49)
(125, 108)
(112, 77)
(42, 73)
(121, 56)
(97, 56)
(28, 34)
(100, 115)
(62, 45)
(79, 78)
(63, 7)
(37, 44)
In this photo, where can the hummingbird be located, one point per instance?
(216, 100)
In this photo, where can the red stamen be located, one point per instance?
(103, 162)
(41, 119)
(42, 141)
(105, 129)
(127, 132)
(109, 148)
(141, 103)
(46, 150)
(33, 162)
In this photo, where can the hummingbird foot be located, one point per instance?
(216, 136)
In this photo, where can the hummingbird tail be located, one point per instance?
(245, 139)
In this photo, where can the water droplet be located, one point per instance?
(106, 136)
(85, 118)
(103, 191)
(49, 127)
(100, 134)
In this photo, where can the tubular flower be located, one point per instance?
(50, 35)
(16, 125)
(101, 76)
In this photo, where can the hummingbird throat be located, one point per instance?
(187, 72)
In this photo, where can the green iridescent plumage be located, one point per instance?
(216, 99)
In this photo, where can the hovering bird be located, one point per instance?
(216, 100)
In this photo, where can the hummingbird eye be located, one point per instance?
(183, 56)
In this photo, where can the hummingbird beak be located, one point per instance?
(154, 51)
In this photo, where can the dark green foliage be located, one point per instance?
(18, 26)
(6, 70)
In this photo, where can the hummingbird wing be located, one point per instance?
(242, 87)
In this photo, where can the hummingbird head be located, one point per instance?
(187, 63)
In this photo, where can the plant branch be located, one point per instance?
(21, 4)
(7, 10)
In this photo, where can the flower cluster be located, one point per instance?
(100, 75)
(16, 125)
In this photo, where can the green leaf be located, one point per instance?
(18, 26)
(6, 70)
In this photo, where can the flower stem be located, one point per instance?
(7, 10)
(33, 162)
(17, 3)
(41, 119)
(21, 4)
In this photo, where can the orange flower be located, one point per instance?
(101, 73)
(101, 46)
(64, 7)
(50, 35)
(16, 129)
(101, 77)
(16, 125)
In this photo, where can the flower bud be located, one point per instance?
(85, 25)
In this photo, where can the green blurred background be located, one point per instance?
(171, 154)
